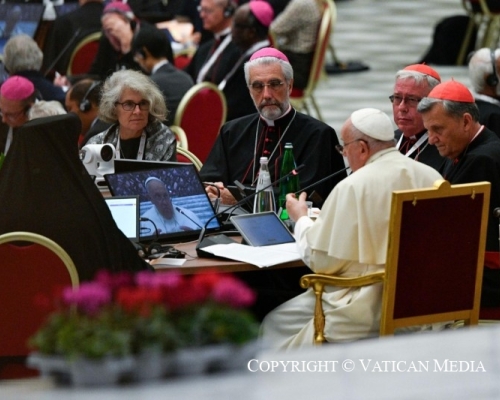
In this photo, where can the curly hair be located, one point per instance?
(138, 82)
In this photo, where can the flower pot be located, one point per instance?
(106, 371)
(148, 365)
(55, 366)
(197, 360)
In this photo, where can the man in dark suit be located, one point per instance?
(215, 58)
(73, 26)
(411, 84)
(153, 53)
(473, 155)
(483, 74)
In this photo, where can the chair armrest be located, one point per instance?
(318, 282)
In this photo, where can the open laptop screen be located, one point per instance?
(173, 201)
(125, 212)
(19, 18)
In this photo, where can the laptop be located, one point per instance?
(17, 18)
(175, 208)
(262, 229)
(125, 212)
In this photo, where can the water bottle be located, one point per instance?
(264, 199)
(289, 185)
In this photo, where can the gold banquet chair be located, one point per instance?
(32, 267)
(83, 54)
(300, 98)
(184, 155)
(435, 259)
(180, 135)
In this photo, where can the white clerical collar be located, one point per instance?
(487, 99)
(270, 122)
(223, 32)
(158, 66)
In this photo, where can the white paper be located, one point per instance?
(172, 262)
(261, 257)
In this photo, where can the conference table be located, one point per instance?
(195, 264)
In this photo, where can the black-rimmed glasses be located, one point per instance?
(130, 105)
(340, 148)
(273, 85)
(410, 101)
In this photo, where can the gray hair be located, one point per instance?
(21, 53)
(44, 108)
(480, 66)
(418, 77)
(138, 82)
(286, 68)
(455, 109)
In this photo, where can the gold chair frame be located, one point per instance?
(49, 244)
(181, 136)
(191, 157)
(400, 199)
(93, 37)
(323, 44)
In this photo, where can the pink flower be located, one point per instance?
(90, 297)
(114, 280)
(163, 280)
(233, 292)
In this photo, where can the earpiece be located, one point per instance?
(492, 80)
(229, 9)
(85, 104)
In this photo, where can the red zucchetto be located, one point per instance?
(453, 91)
(423, 69)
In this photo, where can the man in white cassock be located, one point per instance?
(349, 238)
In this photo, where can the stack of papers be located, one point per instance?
(264, 256)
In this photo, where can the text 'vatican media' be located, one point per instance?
(367, 365)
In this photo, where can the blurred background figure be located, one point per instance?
(23, 57)
(152, 51)
(42, 108)
(83, 99)
(135, 107)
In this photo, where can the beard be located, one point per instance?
(272, 109)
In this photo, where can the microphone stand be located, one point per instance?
(223, 239)
(63, 51)
(321, 180)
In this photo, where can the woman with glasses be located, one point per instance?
(136, 108)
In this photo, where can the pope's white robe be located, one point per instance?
(348, 239)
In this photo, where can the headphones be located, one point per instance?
(85, 104)
(155, 249)
(229, 9)
(492, 79)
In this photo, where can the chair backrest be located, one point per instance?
(201, 113)
(32, 268)
(328, 18)
(180, 135)
(83, 54)
(435, 256)
(184, 155)
(435, 259)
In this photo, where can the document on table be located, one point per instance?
(264, 256)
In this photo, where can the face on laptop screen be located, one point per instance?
(173, 201)
(19, 18)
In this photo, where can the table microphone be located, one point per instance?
(223, 239)
(321, 181)
(188, 217)
(63, 51)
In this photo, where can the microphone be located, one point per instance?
(188, 217)
(63, 51)
(321, 180)
(223, 239)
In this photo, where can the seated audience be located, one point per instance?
(83, 99)
(413, 83)
(250, 33)
(483, 74)
(17, 95)
(451, 117)
(45, 189)
(23, 57)
(73, 26)
(349, 238)
(153, 53)
(135, 107)
(44, 108)
(295, 30)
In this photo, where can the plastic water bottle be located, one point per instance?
(290, 184)
(264, 199)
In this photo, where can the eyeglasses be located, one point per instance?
(130, 105)
(205, 10)
(340, 148)
(273, 85)
(13, 115)
(410, 101)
